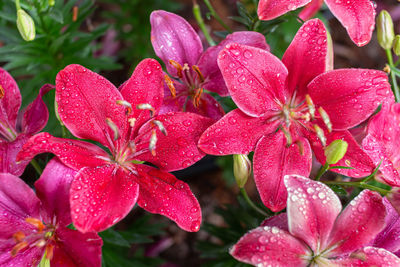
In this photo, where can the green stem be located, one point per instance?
(17, 5)
(251, 203)
(321, 171)
(361, 185)
(393, 75)
(216, 16)
(200, 21)
(37, 167)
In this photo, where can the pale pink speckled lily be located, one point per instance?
(318, 232)
(357, 16)
(180, 47)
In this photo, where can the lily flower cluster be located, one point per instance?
(128, 139)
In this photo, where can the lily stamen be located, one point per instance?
(148, 107)
(177, 66)
(170, 84)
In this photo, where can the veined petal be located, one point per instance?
(73, 153)
(208, 60)
(85, 100)
(100, 197)
(349, 96)
(272, 161)
(235, 133)
(271, 9)
(369, 256)
(36, 115)
(312, 209)
(357, 16)
(11, 101)
(178, 149)
(355, 228)
(162, 193)
(255, 78)
(53, 190)
(8, 154)
(77, 249)
(174, 39)
(271, 246)
(146, 86)
(311, 9)
(309, 55)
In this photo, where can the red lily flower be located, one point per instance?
(309, 104)
(35, 226)
(107, 186)
(382, 143)
(316, 232)
(357, 16)
(16, 128)
(180, 47)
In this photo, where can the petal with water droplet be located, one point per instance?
(11, 101)
(271, 9)
(369, 256)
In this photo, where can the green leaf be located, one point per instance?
(113, 237)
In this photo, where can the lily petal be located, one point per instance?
(28, 257)
(208, 60)
(271, 9)
(73, 153)
(208, 107)
(370, 256)
(53, 190)
(162, 193)
(240, 137)
(311, 9)
(178, 149)
(174, 39)
(312, 209)
(272, 161)
(270, 246)
(255, 78)
(358, 17)
(309, 55)
(11, 101)
(100, 197)
(354, 227)
(349, 102)
(85, 101)
(8, 154)
(280, 221)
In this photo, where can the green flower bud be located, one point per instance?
(396, 45)
(241, 169)
(335, 151)
(52, 2)
(26, 26)
(385, 30)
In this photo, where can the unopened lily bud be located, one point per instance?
(396, 45)
(335, 151)
(241, 169)
(385, 30)
(52, 2)
(26, 25)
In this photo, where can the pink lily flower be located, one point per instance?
(382, 143)
(357, 16)
(195, 70)
(108, 185)
(35, 226)
(286, 106)
(318, 232)
(16, 128)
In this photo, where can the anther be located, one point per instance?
(37, 223)
(301, 147)
(113, 127)
(18, 247)
(320, 134)
(132, 122)
(153, 142)
(170, 84)
(197, 97)
(199, 74)
(18, 236)
(147, 107)
(2, 93)
(160, 126)
(311, 106)
(177, 66)
(287, 135)
(49, 251)
(125, 104)
(325, 118)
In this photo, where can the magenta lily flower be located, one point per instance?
(124, 121)
(16, 128)
(357, 16)
(35, 226)
(195, 70)
(286, 106)
(381, 143)
(318, 232)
